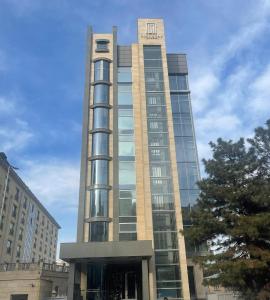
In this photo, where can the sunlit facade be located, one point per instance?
(139, 170)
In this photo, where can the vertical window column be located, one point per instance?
(127, 174)
(99, 188)
(163, 211)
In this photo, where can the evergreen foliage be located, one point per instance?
(233, 216)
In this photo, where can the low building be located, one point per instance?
(28, 232)
(33, 281)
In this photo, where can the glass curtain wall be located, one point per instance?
(186, 152)
(100, 154)
(164, 223)
(126, 152)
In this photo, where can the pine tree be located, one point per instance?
(233, 216)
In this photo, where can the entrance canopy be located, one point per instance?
(133, 250)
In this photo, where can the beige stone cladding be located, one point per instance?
(35, 281)
(27, 231)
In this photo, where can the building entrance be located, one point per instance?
(114, 282)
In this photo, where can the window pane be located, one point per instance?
(101, 118)
(168, 273)
(162, 202)
(132, 236)
(101, 93)
(124, 74)
(167, 257)
(99, 203)
(99, 231)
(124, 94)
(100, 144)
(126, 149)
(102, 70)
(165, 240)
(125, 122)
(127, 173)
(127, 227)
(164, 221)
(127, 207)
(155, 99)
(99, 172)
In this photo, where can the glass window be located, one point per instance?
(185, 149)
(127, 203)
(165, 240)
(101, 93)
(158, 139)
(100, 144)
(164, 221)
(99, 172)
(189, 175)
(160, 186)
(127, 227)
(102, 46)
(102, 70)
(125, 120)
(160, 154)
(126, 149)
(168, 273)
(152, 63)
(124, 74)
(99, 203)
(162, 202)
(152, 52)
(101, 118)
(128, 236)
(124, 94)
(155, 99)
(178, 82)
(99, 231)
(170, 293)
(127, 173)
(9, 246)
(157, 126)
(160, 170)
(167, 257)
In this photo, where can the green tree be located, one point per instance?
(233, 216)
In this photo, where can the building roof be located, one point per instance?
(4, 164)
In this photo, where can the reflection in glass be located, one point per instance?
(99, 172)
(98, 231)
(101, 118)
(102, 70)
(99, 203)
(101, 94)
(100, 144)
(127, 172)
(124, 74)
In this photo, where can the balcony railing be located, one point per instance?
(6, 267)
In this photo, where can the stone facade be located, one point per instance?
(27, 230)
(36, 281)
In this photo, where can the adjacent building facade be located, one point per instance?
(28, 233)
(139, 168)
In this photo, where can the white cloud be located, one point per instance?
(6, 106)
(15, 133)
(54, 181)
(260, 93)
(230, 93)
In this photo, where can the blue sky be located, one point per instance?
(42, 55)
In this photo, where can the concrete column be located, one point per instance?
(145, 283)
(71, 281)
(83, 280)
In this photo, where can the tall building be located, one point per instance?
(139, 165)
(28, 233)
